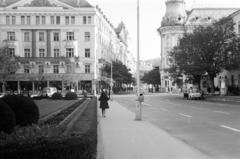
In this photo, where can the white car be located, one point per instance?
(49, 91)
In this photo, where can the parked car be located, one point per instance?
(49, 91)
(2, 95)
(192, 92)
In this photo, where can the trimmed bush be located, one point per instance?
(41, 143)
(7, 118)
(26, 111)
(56, 96)
(71, 96)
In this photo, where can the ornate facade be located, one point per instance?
(178, 21)
(59, 43)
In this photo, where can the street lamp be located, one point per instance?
(140, 98)
(111, 83)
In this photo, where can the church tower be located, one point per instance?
(175, 13)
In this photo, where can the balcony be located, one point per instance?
(11, 42)
(70, 43)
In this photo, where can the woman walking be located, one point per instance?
(103, 103)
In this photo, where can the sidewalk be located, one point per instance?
(121, 137)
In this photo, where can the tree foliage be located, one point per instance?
(121, 74)
(8, 63)
(152, 77)
(206, 51)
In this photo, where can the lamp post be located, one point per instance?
(140, 98)
(111, 83)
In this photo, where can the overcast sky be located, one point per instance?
(151, 13)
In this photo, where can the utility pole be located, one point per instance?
(111, 83)
(140, 98)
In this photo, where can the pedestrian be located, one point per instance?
(103, 103)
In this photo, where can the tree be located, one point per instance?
(206, 51)
(121, 74)
(8, 64)
(152, 77)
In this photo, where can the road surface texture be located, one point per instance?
(212, 127)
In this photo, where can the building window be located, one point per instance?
(11, 52)
(27, 53)
(56, 52)
(56, 36)
(87, 36)
(37, 20)
(89, 19)
(72, 19)
(26, 69)
(69, 69)
(7, 19)
(26, 36)
(11, 36)
(67, 20)
(69, 52)
(55, 69)
(41, 69)
(87, 68)
(13, 20)
(43, 20)
(28, 20)
(52, 20)
(22, 20)
(87, 53)
(41, 36)
(41, 52)
(84, 19)
(70, 35)
(57, 19)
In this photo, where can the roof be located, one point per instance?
(206, 15)
(120, 27)
(78, 3)
(7, 2)
(73, 3)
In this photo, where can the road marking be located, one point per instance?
(221, 112)
(188, 116)
(230, 128)
(163, 109)
(147, 104)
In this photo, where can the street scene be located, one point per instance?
(211, 126)
(129, 79)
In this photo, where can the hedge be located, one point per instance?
(26, 111)
(7, 118)
(81, 143)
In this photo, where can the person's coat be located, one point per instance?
(103, 101)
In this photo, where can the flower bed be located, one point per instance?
(56, 119)
(48, 142)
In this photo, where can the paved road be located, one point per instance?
(211, 127)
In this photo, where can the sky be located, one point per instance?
(151, 13)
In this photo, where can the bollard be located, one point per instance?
(138, 113)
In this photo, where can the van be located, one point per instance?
(49, 91)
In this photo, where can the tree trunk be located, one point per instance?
(211, 77)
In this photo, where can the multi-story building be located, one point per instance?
(178, 21)
(59, 43)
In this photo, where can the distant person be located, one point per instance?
(103, 103)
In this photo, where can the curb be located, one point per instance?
(72, 118)
(100, 147)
